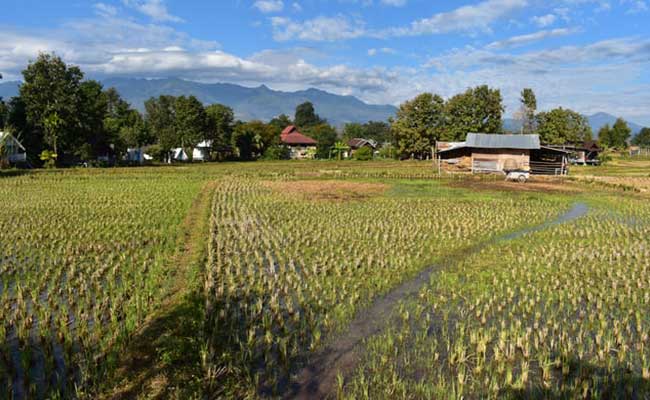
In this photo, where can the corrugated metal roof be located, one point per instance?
(499, 141)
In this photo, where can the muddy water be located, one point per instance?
(318, 379)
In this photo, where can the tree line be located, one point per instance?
(63, 118)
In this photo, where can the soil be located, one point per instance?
(328, 190)
(318, 379)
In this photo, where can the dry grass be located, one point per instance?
(328, 190)
(537, 184)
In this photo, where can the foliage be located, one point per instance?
(191, 123)
(277, 152)
(478, 110)
(49, 158)
(339, 149)
(251, 139)
(221, 122)
(306, 116)
(364, 154)
(642, 138)
(418, 124)
(615, 137)
(325, 135)
(562, 126)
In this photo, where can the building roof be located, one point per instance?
(357, 143)
(291, 136)
(502, 141)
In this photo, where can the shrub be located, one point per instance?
(277, 153)
(363, 154)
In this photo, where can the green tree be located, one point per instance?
(252, 139)
(418, 124)
(326, 136)
(605, 136)
(562, 126)
(353, 130)
(160, 118)
(221, 122)
(642, 138)
(92, 139)
(478, 110)
(306, 116)
(377, 131)
(191, 123)
(31, 138)
(528, 110)
(620, 134)
(52, 94)
(4, 114)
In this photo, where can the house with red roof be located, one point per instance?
(300, 146)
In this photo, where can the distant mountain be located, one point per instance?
(248, 103)
(596, 122)
(8, 90)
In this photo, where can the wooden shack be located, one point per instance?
(496, 153)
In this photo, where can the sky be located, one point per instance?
(587, 55)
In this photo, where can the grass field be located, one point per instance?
(233, 280)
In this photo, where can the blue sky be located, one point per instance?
(589, 55)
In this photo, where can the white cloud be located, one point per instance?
(155, 9)
(384, 50)
(269, 6)
(472, 18)
(544, 20)
(522, 40)
(317, 29)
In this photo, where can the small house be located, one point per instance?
(300, 146)
(13, 151)
(358, 143)
(499, 153)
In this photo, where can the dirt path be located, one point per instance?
(318, 379)
(163, 358)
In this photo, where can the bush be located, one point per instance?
(277, 153)
(363, 154)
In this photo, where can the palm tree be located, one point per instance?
(339, 148)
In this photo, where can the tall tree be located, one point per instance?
(221, 122)
(92, 139)
(191, 123)
(306, 116)
(478, 110)
(562, 126)
(528, 110)
(605, 136)
(52, 95)
(621, 134)
(642, 138)
(160, 118)
(353, 130)
(418, 124)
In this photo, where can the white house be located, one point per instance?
(13, 150)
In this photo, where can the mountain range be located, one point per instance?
(264, 103)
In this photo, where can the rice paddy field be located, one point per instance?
(320, 280)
